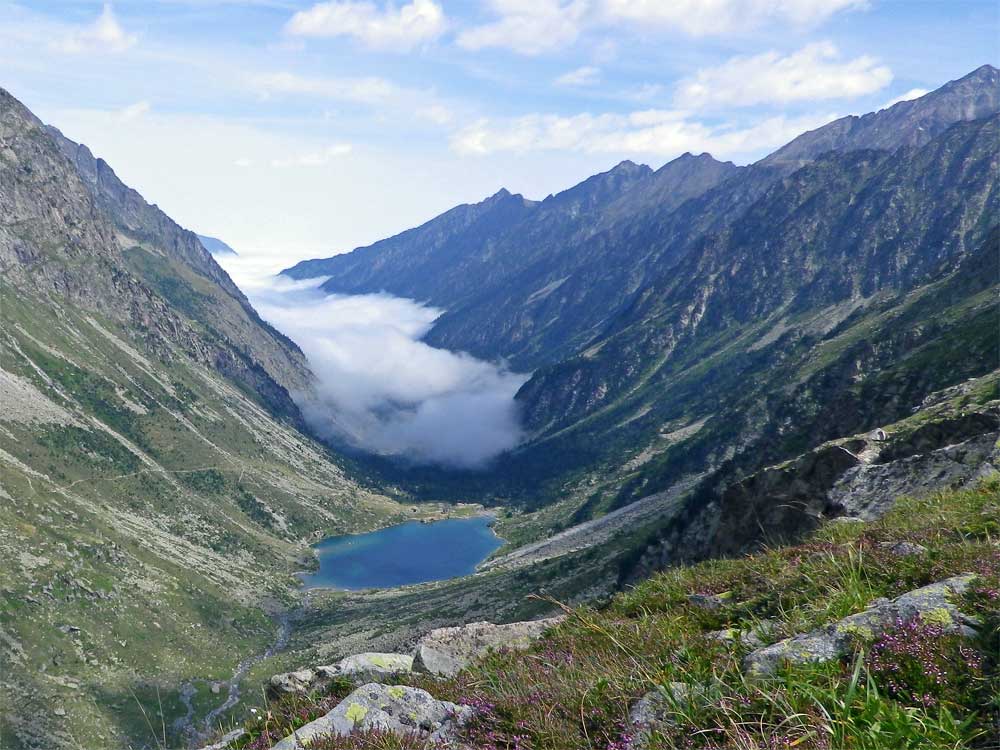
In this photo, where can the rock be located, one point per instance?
(301, 681)
(753, 637)
(368, 667)
(904, 549)
(710, 602)
(930, 602)
(397, 708)
(446, 651)
(59, 711)
(655, 710)
(226, 740)
(216, 689)
(359, 668)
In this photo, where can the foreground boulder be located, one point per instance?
(446, 651)
(359, 668)
(933, 603)
(390, 708)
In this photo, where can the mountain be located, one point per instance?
(497, 278)
(839, 299)
(536, 291)
(215, 246)
(909, 123)
(157, 493)
(785, 306)
(173, 261)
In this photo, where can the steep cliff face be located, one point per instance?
(154, 488)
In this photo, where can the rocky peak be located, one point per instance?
(909, 123)
(601, 188)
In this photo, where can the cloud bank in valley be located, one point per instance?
(378, 386)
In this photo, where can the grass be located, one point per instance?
(916, 686)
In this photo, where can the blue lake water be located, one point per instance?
(411, 552)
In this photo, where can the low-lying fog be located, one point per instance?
(379, 387)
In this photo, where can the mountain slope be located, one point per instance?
(909, 123)
(155, 494)
(838, 301)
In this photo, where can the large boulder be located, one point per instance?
(390, 708)
(359, 668)
(446, 651)
(933, 603)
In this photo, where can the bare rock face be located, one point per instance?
(933, 603)
(446, 651)
(397, 708)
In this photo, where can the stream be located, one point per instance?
(197, 732)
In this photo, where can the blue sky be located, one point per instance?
(295, 128)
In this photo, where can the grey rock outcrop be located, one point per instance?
(446, 651)
(359, 668)
(856, 479)
(933, 603)
(392, 708)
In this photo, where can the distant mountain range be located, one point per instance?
(216, 246)
(706, 315)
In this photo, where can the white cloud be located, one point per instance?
(643, 93)
(134, 111)
(588, 75)
(717, 17)
(436, 113)
(103, 35)
(412, 24)
(378, 386)
(528, 27)
(908, 96)
(811, 74)
(314, 158)
(661, 133)
(243, 162)
(367, 90)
